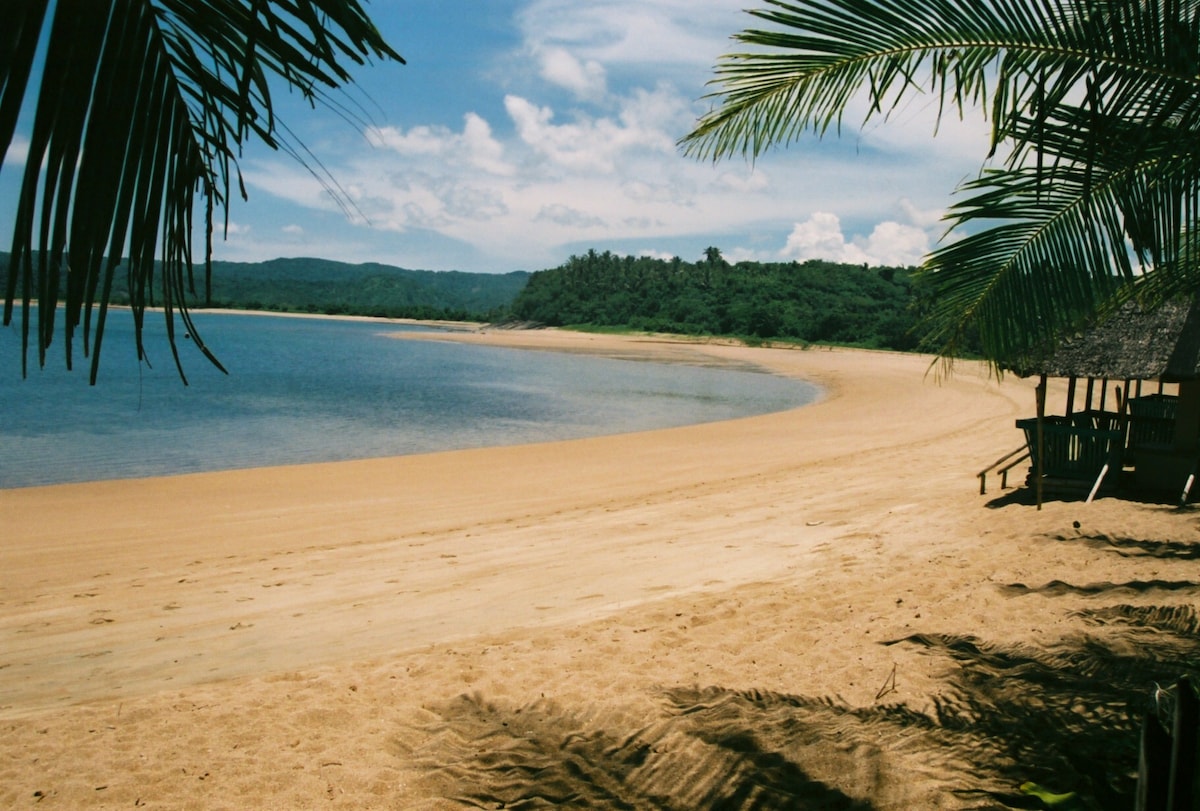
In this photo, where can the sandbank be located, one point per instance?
(761, 608)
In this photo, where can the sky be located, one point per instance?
(521, 132)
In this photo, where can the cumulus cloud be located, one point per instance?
(293, 230)
(586, 79)
(587, 144)
(820, 237)
(565, 215)
(474, 146)
(635, 33)
(533, 172)
(922, 218)
(889, 243)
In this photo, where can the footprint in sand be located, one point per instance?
(98, 617)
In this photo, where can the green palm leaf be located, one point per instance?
(141, 111)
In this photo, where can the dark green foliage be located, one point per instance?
(810, 301)
(140, 110)
(338, 288)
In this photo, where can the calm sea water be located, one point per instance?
(313, 390)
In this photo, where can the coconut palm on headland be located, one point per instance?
(1095, 113)
(140, 111)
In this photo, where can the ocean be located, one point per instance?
(305, 390)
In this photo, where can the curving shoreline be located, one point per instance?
(347, 626)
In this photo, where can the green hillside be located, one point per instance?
(813, 301)
(321, 285)
(325, 286)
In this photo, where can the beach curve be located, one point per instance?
(359, 608)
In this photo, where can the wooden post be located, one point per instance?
(1187, 418)
(1181, 791)
(1071, 396)
(1090, 386)
(1154, 765)
(1040, 467)
(1167, 758)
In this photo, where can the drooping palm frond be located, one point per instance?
(1095, 105)
(825, 54)
(140, 110)
(1059, 244)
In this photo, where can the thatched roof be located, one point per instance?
(1132, 344)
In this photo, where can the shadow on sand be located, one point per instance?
(1064, 716)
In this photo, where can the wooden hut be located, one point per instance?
(1144, 437)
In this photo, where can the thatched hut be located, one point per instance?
(1152, 440)
(1134, 343)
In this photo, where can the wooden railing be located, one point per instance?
(1003, 471)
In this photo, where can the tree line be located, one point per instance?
(307, 285)
(804, 301)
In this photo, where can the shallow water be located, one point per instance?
(312, 390)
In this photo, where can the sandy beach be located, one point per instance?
(811, 609)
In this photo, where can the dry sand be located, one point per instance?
(812, 609)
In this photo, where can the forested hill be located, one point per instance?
(322, 285)
(813, 301)
(810, 301)
(325, 286)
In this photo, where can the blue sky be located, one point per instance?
(523, 131)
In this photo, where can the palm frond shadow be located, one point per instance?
(1065, 717)
(1068, 716)
(541, 755)
(1056, 588)
(1136, 547)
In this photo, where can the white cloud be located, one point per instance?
(586, 79)
(475, 145)
(534, 172)
(922, 218)
(820, 237)
(634, 32)
(753, 181)
(586, 144)
(889, 243)
(419, 140)
(565, 215)
(293, 230)
(482, 150)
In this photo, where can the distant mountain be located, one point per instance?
(326, 286)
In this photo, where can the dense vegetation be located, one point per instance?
(337, 288)
(814, 301)
(810, 301)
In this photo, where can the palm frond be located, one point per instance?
(1067, 240)
(1096, 106)
(141, 111)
